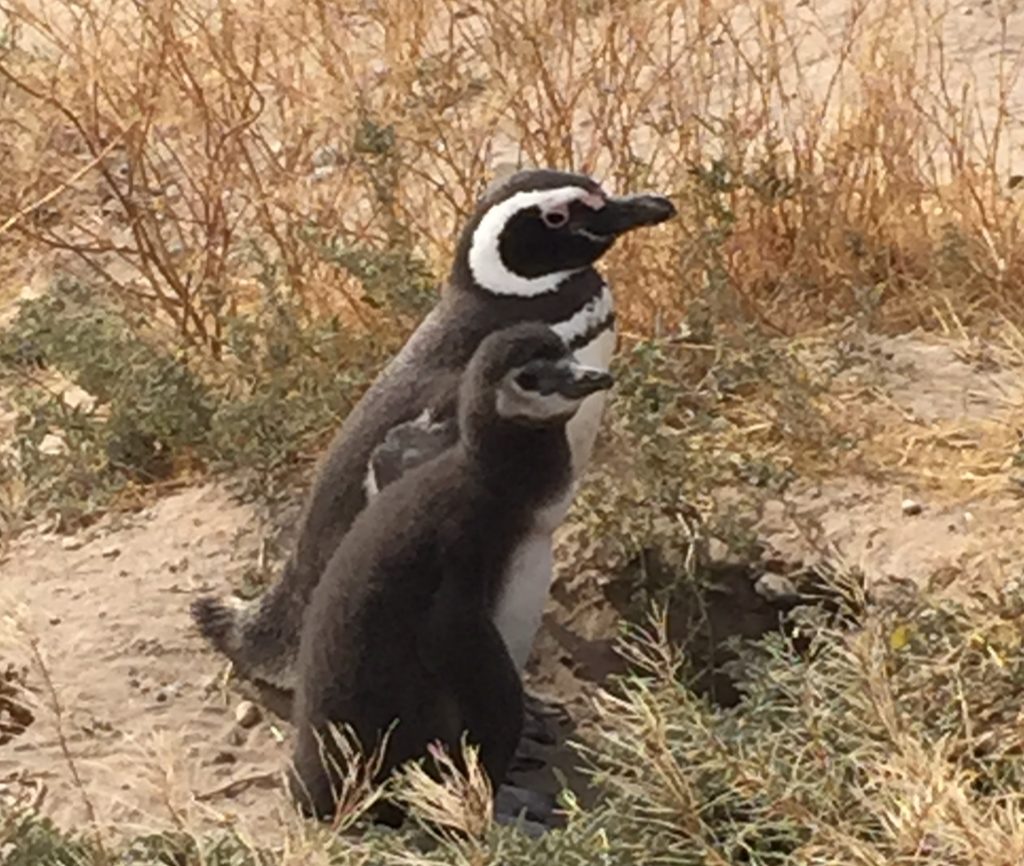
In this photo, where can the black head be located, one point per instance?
(525, 375)
(538, 226)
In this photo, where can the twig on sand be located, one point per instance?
(236, 786)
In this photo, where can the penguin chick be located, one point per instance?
(399, 636)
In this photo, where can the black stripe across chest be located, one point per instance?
(483, 312)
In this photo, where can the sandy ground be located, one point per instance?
(151, 730)
(956, 413)
(145, 720)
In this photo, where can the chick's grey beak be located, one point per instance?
(621, 214)
(567, 378)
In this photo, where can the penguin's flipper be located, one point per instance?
(411, 443)
(408, 445)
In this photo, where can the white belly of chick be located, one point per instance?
(520, 607)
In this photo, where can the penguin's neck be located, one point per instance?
(527, 464)
(577, 295)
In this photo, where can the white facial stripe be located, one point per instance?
(514, 403)
(485, 257)
(587, 317)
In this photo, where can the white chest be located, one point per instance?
(598, 352)
(518, 612)
(583, 427)
(528, 578)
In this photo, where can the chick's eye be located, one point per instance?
(554, 219)
(527, 381)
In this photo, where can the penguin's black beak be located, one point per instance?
(576, 381)
(621, 214)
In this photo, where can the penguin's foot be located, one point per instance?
(530, 756)
(532, 811)
(542, 720)
(540, 730)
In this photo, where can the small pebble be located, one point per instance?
(53, 445)
(55, 620)
(911, 507)
(326, 155)
(776, 587)
(247, 714)
(111, 552)
(321, 173)
(718, 550)
(72, 543)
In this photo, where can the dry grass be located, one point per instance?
(955, 458)
(893, 743)
(200, 161)
(172, 150)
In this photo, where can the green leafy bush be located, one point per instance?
(150, 411)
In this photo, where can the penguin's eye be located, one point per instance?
(527, 381)
(555, 218)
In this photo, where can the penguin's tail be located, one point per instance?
(217, 622)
